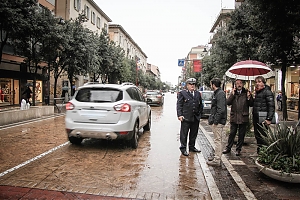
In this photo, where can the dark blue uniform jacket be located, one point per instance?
(189, 106)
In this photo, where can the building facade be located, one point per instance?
(132, 50)
(15, 76)
(153, 71)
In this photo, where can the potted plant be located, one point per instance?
(280, 158)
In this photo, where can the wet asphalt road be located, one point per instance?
(38, 155)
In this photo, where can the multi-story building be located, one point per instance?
(220, 24)
(196, 54)
(70, 9)
(96, 21)
(153, 70)
(14, 75)
(131, 49)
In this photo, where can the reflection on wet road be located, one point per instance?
(168, 172)
(155, 170)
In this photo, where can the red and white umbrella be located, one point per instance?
(249, 70)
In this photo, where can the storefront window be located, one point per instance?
(6, 94)
(38, 90)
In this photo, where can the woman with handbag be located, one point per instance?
(263, 109)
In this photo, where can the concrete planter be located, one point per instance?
(280, 176)
(14, 116)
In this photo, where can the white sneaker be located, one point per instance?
(214, 162)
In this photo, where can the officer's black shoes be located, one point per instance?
(193, 149)
(185, 153)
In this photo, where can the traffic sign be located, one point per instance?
(180, 62)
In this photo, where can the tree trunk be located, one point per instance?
(284, 97)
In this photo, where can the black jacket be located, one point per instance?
(189, 106)
(240, 104)
(218, 113)
(264, 101)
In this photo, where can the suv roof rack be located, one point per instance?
(89, 83)
(127, 83)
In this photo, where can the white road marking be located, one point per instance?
(33, 159)
(28, 122)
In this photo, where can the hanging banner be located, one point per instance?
(197, 65)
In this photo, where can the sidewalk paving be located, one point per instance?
(237, 178)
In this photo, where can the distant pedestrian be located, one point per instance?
(263, 102)
(217, 119)
(240, 100)
(279, 101)
(189, 109)
(27, 94)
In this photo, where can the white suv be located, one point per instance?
(107, 111)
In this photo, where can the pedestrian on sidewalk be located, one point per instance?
(279, 101)
(27, 94)
(217, 119)
(240, 100)
(189, 110)
(263, 102)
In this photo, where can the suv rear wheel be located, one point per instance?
(75, 140)
(134, 140)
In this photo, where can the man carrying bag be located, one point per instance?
(263, 109)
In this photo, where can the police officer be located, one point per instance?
(189, 110)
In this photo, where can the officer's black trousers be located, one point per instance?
(188, 129)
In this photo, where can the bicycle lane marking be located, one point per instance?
(33, 159)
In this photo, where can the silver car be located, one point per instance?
(206, 101)
(107, 111)
(154, 97)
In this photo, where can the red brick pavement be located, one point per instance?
(20, 193)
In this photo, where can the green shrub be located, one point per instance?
(282, 151)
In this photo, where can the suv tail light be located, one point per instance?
(123, 107)
(69, 106)
(159, 96)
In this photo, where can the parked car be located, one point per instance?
(107, 111)
(172, 91)
(154, 97)
(206, 100)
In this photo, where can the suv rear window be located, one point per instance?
(99, 95)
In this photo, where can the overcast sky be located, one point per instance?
(165, 30)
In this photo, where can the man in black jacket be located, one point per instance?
(263, 102)
(240, 100)
(217, 119)
(189, 110)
